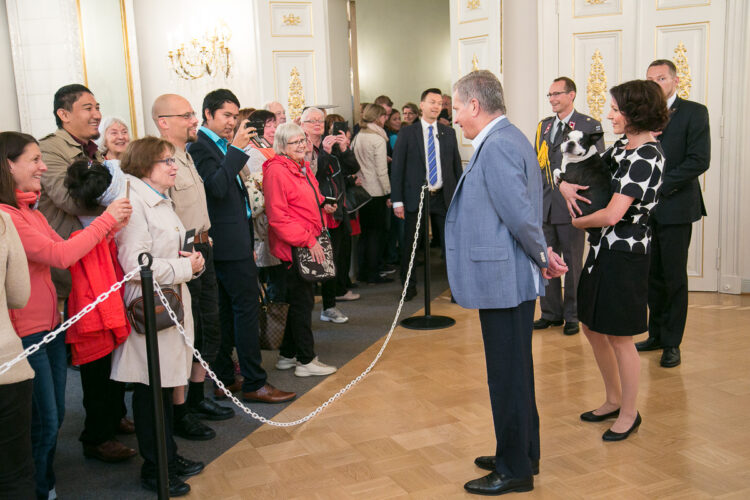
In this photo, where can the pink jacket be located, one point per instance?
(292, 206)
(44, 249)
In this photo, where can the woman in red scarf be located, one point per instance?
(21, 172)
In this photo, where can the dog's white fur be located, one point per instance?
(579, 154)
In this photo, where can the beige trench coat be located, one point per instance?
(155, 228)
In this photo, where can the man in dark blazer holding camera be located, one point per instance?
(425, 151)
(687, 148)
(219, 163)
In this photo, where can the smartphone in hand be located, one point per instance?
(189, 243)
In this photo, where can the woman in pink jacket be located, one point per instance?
(293, 207)
(21, 170)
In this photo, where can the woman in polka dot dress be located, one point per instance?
(613, 288)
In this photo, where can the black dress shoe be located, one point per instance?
(650, 344)
(670, 357)
(497, 484)
(177, 487)
(379, 279)
(590, 416)
(611, 435)
(488, 463)
(185, 467)
(189, 427)
(209, 410)
(571, 328)
(543, 323)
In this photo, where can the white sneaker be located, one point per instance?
(314, 367)
(333, 314)
(285, 363)
(349, 295)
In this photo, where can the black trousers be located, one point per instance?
(238, 313)
(143, 417)
(372, 219)
(437, 215)
(341, 241)
(16, 462)
(567, 241)
(204, 293)
(510, 376)
(103, 400)
(668, 282)
(298, 338)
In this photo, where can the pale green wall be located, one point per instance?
(403, 48)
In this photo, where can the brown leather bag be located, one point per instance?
(137, 315)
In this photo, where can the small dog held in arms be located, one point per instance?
(582, 165)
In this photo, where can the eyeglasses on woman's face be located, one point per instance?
(170, 162)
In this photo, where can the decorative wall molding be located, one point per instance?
(683, 71)
(688, 46)
(294, 77)
(46, 51)
(592, 8)
(596, 87)
(473, 54)
(292, 19)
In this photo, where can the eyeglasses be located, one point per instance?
(167, 161)
(315, 122)
(555, 94)
(186, 116)
(297, 142)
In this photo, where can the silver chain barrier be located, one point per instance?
(67, 324)
(341, 392)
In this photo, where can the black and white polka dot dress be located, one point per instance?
(613, 289)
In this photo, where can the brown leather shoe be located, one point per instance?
(269, 394)
(235, 387)
(109, 451)
(125, 426)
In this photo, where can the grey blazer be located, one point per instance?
(493, 228)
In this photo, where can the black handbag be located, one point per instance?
(356, 198)
(137, 313)
(308, 269)
(271, 320)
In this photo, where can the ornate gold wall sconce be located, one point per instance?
(209, 56)
(596, 87)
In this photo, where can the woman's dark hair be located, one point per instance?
(643, 104)
(141, 155)
(86, 181)
(12, 145)
(262, 114)
(331, 119)
(243, 115)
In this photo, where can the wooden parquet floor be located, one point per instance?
(413, 427)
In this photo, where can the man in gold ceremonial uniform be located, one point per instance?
(558, 231)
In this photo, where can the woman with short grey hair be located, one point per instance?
(114, 137)
(284, 133)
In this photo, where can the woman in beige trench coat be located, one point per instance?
(155, 228)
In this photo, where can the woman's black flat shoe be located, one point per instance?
(590, 416)
(611, 435)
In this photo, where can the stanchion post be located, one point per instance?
(427, 321)
(154, 374)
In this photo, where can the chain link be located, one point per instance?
(342, 391)
(67, 324)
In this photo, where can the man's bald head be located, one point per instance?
(175, 119)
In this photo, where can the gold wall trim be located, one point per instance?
(302, 53)
(460, 66)
(296, 95)
(308, 5)
(80, 38)
(619, 49)
(596, 87)
(707, 24)
(683, 71)
(473, 4)
(458, 10)
(573, 9)
(706, 4)
(128, 71)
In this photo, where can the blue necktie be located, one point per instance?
(431, 161)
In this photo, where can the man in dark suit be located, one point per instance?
(219, 163)
(558, 231)
(687, 148)
(497, 259)
(426, 151)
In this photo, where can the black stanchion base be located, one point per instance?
(427, 322)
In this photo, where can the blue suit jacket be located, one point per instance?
(493, 229)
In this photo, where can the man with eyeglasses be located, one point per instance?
(558, 231)
(219, 156)
(177, 123)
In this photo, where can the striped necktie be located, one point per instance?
(432, 176)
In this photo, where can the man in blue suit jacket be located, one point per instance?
(497, 262)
